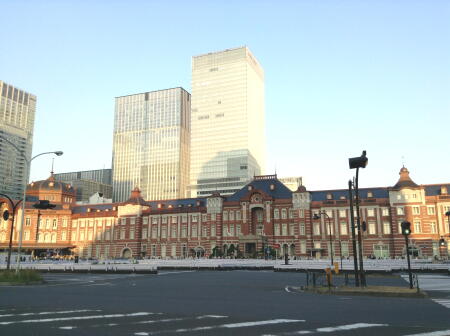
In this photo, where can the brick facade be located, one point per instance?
(263, 214)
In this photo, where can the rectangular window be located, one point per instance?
(417, 227)
(302, 229)
(431, 210)
(63, 235)
(131, 233)
(400, 211)
(144, 233)
(184, 231)
(231, 215)
(194, 218)
(386, 227)
(301, 213)
(123, 221)
(164, 232)
(26, 235)
(213, 230)
(225, 215)
(153, 250)
(55, 224)
(416, 210)
(145, 220)
(399, 226)
(204, 218)
(433, 227)
(344, 246)
(370, 212)
(284, 230)
(276, 214)
(302, 247)
(154, 232)
(329, 213)
(317, 245)
(205, 231)
(64, 222)
(372, 227)
(28, 221)
(277, 229)
(283, 214)
(133, 220)
(184, 218)
(122, 234)
(238, 230)
(238, 215)
(174, 231)
(164, 219)
(385, 211)
(154, 220)
(344, 230)
(194, 230)
(342, 213)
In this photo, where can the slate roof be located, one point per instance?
(78, 209)
(280, 191)
(321, 195)
(435, 189)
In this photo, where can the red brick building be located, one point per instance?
(263, 214)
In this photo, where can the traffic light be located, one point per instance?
(406, 228)
(5, 215)
(364, 226)
(44, 205)
(442, 242)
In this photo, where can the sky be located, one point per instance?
(340, 77)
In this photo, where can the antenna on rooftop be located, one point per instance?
(53, 162)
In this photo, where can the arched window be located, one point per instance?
(47, 238)
(53, 237)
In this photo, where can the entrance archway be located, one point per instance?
(199, 252)
(126, 253)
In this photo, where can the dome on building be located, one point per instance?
(51, 185)
(301, 188)
(404, 181)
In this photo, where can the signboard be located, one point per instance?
(276, 245)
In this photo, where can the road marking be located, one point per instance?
(220, 326)
(350, 327)
(89, 317)
(49, 313)
(443, 302)
(210, 316)
(433, 333)
(175, 272)
(67, 327)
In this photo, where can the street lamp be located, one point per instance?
(356, 163)
(27, 170)
(316, 216)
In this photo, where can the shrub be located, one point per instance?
(23, 276)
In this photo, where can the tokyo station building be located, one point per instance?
(263, 216)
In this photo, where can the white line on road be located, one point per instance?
(166, 273)
(67, 327)
(210, 316)
(49, 313)
(220, 326)
(350, 327)
(433, 333)
(89, 317)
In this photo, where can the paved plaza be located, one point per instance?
(214, 303)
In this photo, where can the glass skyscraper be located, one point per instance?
(228, 140)
(17, 110)
(151, 144)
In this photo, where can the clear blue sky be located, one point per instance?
(341, 76)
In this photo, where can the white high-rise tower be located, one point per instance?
(227, 125)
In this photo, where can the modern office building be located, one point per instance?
(103, 176)
(227, 135)
(88, 183)
(151, 144)
(17, 110)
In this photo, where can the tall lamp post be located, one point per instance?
(356, 163)
(27, 170)
(316, 216)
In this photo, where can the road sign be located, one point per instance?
(276, 245)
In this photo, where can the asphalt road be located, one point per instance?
(211, 303)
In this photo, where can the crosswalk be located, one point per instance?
(443, 302)
(72, 322)
(432, 282)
